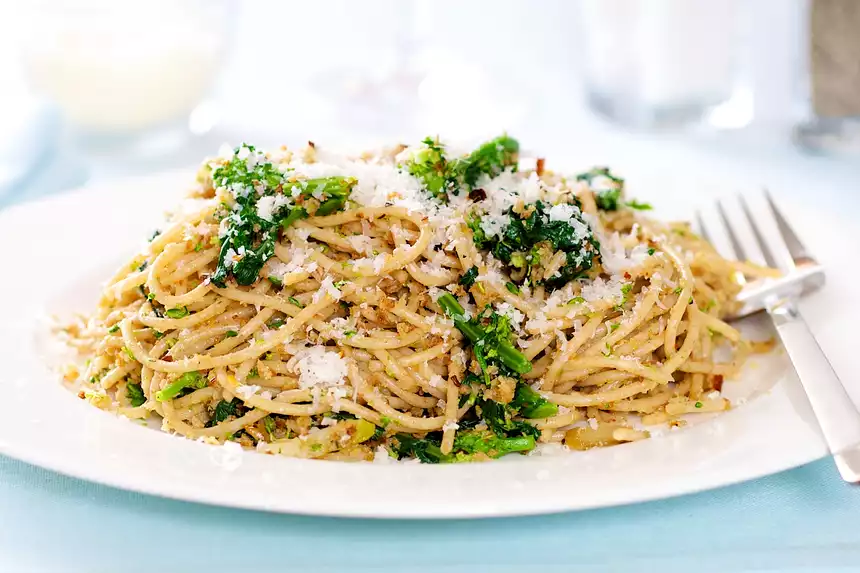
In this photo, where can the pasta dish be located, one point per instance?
(412, 303)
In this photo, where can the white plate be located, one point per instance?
(57, 252)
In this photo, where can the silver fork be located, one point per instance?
(750, 227)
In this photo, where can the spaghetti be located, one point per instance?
(412, 304)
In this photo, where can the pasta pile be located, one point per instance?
(413, 303)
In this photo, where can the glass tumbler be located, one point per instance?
(127, 74)
(663, 63)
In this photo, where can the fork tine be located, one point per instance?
(715, 232)
(763, 222)
(699, 227)
(739, 229)
(792, 241)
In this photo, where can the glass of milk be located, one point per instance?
(664, 63)
(121, 72)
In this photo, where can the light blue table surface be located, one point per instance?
(804, 519)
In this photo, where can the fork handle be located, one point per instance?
(833, 407)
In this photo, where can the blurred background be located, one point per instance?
(97, 88)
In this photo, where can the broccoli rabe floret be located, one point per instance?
(530, 232)
(500, 418)
(442, 175)
(468, 446)
(135, 394)
(531, 404)
(607, 188)
(490, 159)
(490, 335)
(248, 239)
(430, 165)
(469, 277)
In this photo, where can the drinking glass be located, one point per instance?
(664, 63)
(127, 76)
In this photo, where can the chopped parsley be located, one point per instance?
(295, 301)
(230, 334)
(512, 288)
(113, 328)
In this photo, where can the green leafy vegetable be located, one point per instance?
(295, 301)
(113, 328)
(524, 236)
(634, 204)
(223, 410)
(430, 166)
(135, 394)
(607, 187)
(468, 446)
(269, 424)
(531, 404)
(248, 239)
(230, 334)
(512, 288)
(468, 278)
(194, 380)
(427, 449)
(484, 442)
(490, 341)
(490, 159)
(441, 175)
(177, 312)
(500, 419)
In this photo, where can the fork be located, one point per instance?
(750, 227)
